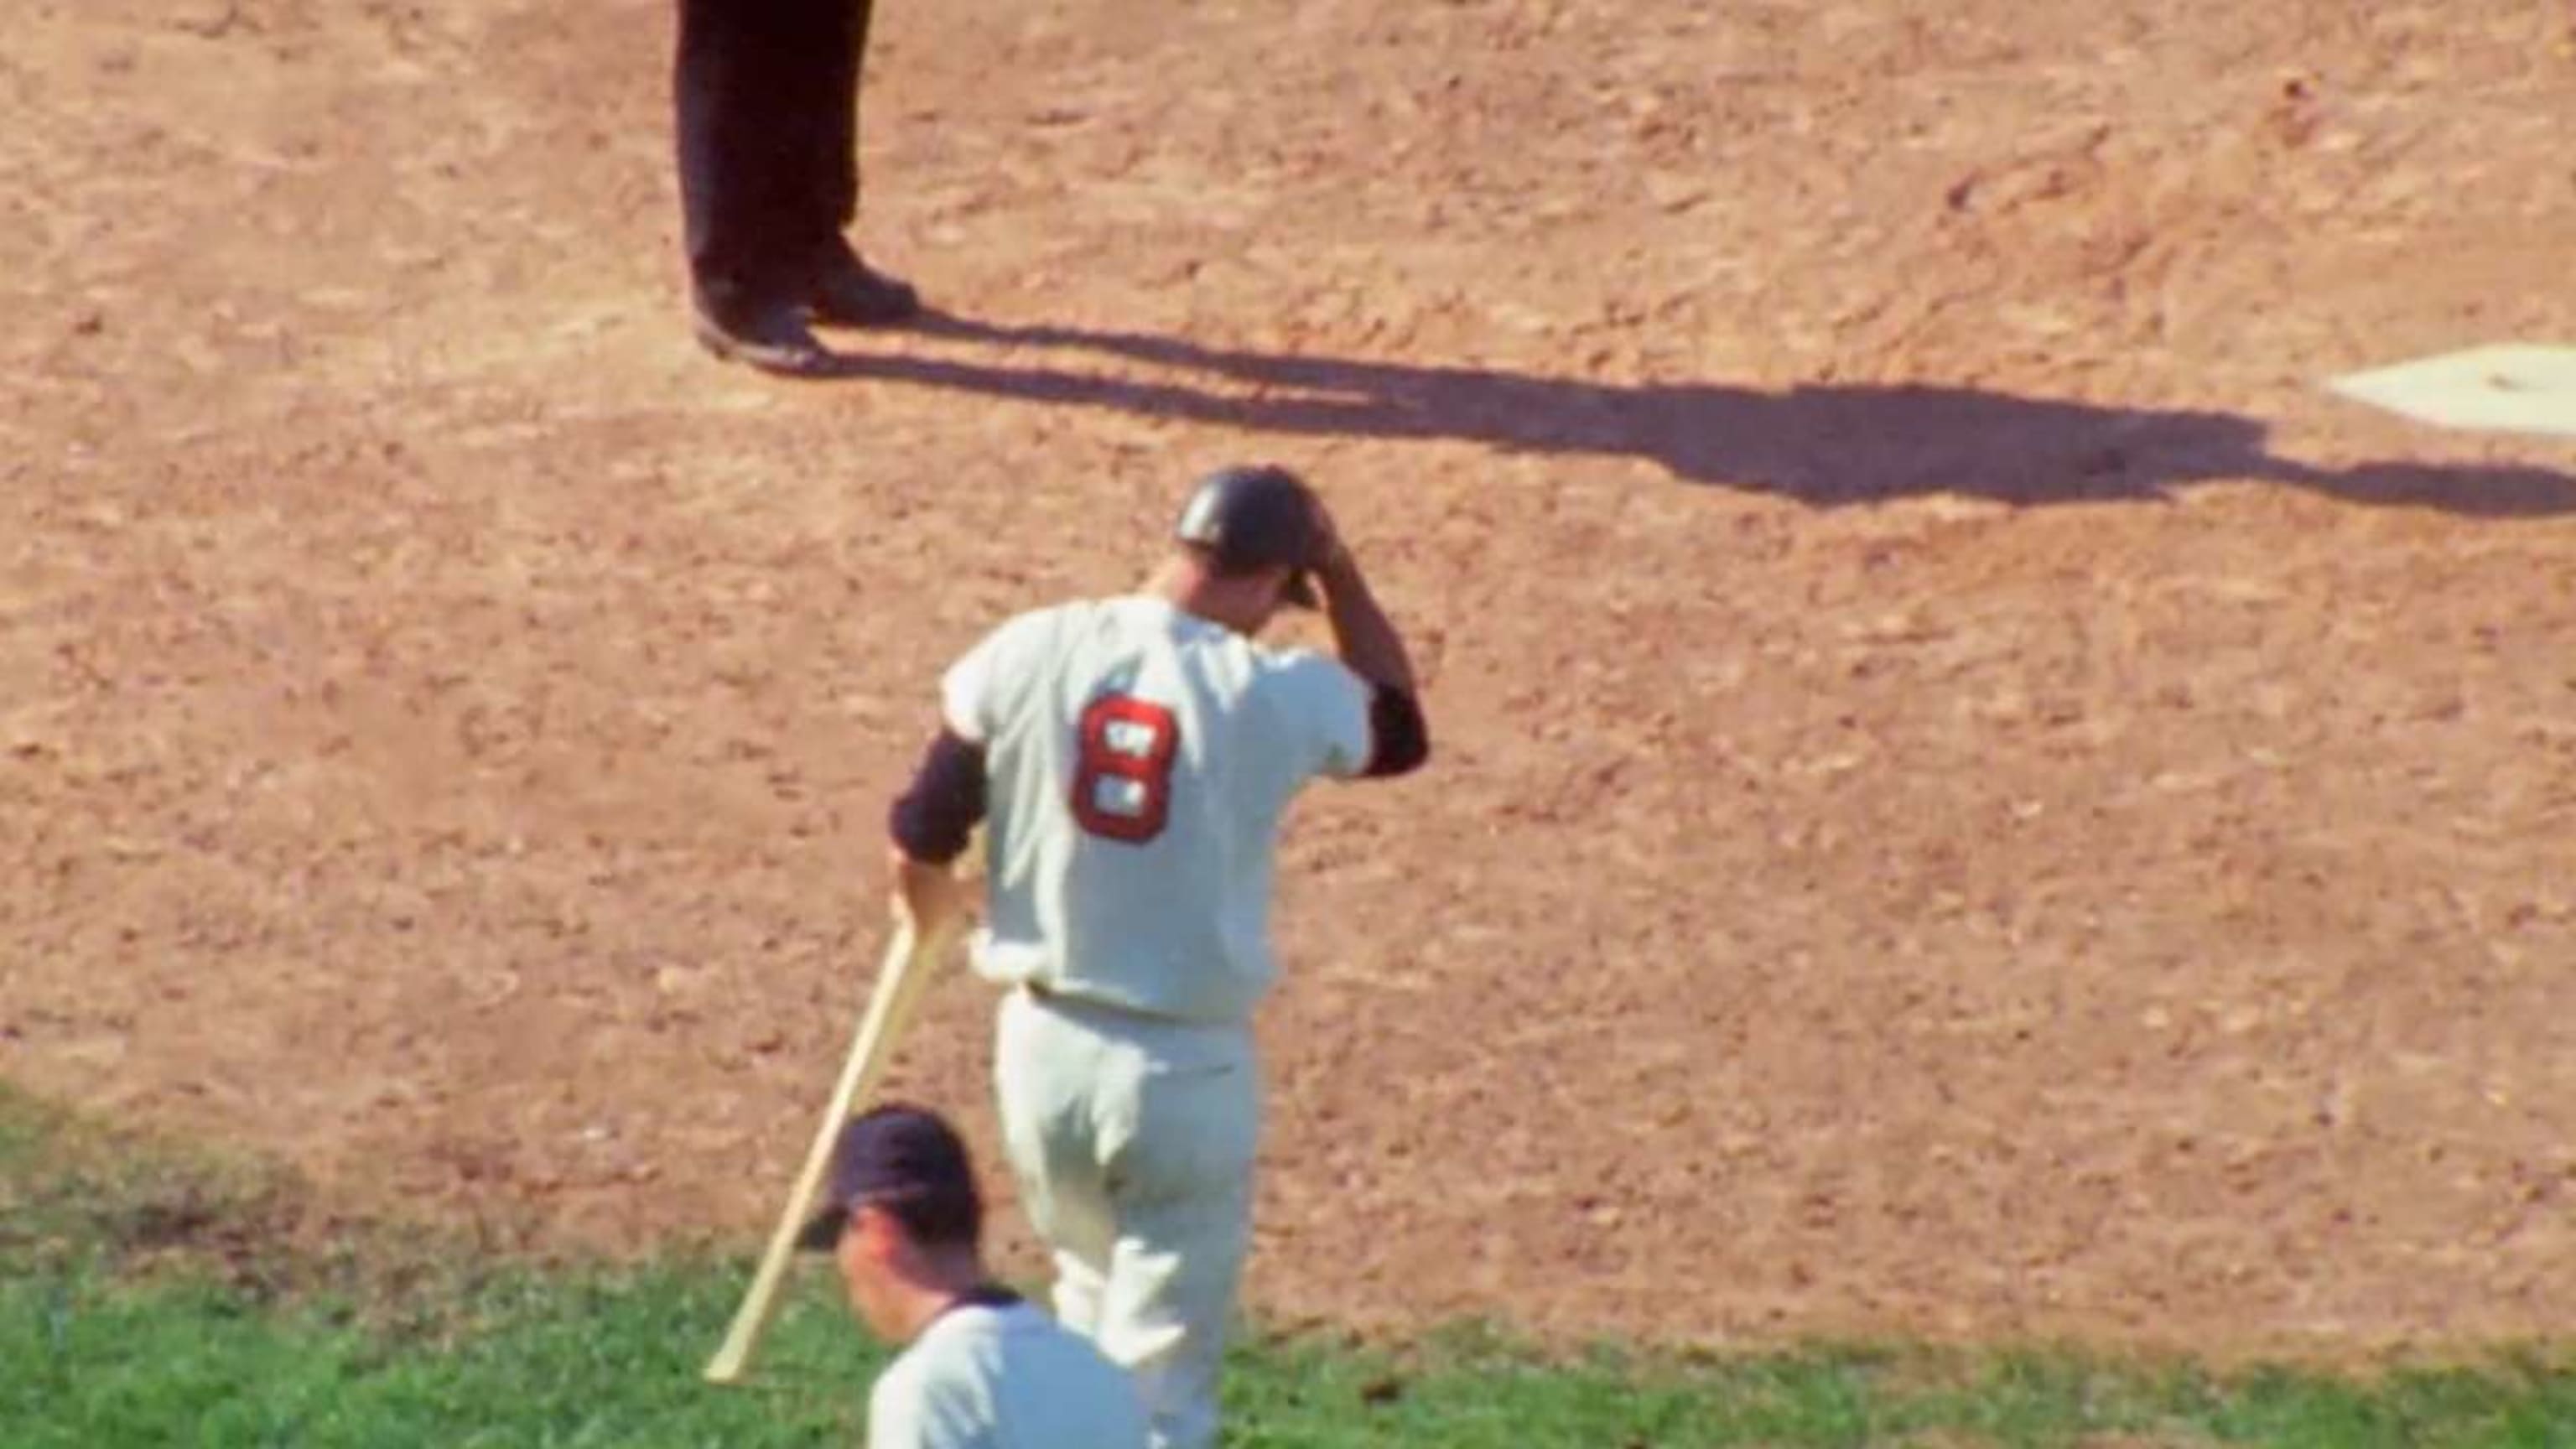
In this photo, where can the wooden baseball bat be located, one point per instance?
(910, 958)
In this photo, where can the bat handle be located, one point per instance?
(906, 970)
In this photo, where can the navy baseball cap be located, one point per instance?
(890, 1154)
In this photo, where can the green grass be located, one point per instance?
(157, 1298)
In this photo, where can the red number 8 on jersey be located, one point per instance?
(1122, 786)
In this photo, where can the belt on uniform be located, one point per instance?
(1048, 996)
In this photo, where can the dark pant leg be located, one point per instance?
(836, 176)
(763, 111)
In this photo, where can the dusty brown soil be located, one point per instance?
(1973, 800)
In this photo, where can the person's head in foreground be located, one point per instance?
(902, 1219)
(980, 1369)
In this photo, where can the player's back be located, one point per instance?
(1005, 1376)
(1138, 761)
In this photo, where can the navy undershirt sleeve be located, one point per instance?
(934, 819)
(1401, 738)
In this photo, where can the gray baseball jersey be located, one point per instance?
(1003, 1377)
(1139, 759)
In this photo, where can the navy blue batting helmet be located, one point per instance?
(1254, 517)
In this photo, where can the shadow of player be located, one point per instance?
(1826, 446)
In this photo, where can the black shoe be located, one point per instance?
(852, 295)
(773, 339)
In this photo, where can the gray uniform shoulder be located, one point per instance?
(994, 682)
(1004, 1377)
(1321, 708)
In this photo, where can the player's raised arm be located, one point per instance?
(1369, 644)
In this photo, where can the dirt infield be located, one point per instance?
(1972, 800)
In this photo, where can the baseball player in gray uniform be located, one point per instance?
(980, 1369)
(1130, 759)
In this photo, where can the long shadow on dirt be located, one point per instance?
(1825, 446)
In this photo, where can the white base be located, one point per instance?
(2516, 388)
